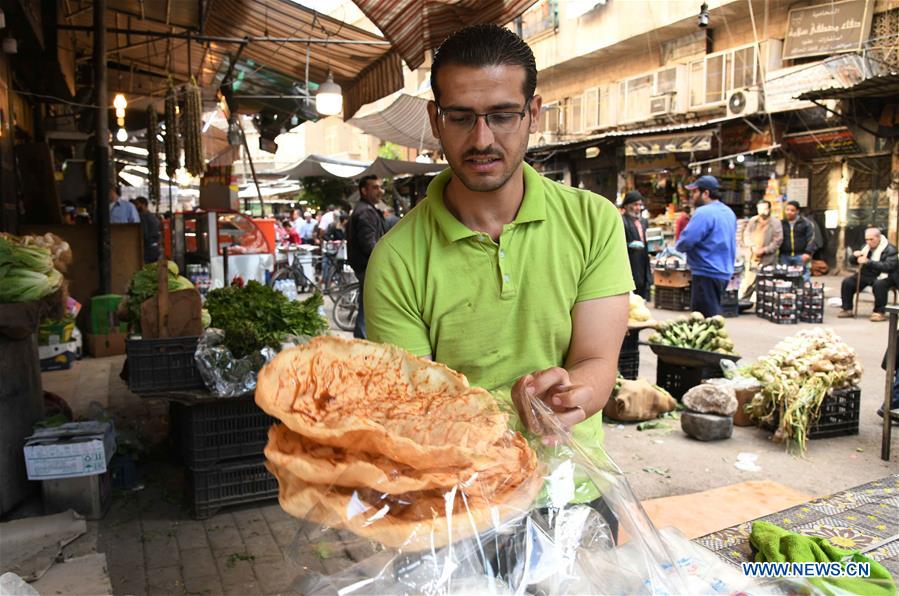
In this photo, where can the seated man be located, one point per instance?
(878, 262)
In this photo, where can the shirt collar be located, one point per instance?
(533, 204)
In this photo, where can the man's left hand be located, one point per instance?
(862, 260)
(572, 403)
(806, 257)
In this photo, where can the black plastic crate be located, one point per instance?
(677, 379)
(672, 298)
(221, 429)
(730, 297)
(839, 414)
(165, 364)
(730, 310)
(629, 365)
(231, 483)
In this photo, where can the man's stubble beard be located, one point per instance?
(477, 185)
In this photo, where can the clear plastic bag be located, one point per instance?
(225, 375)
(480, 534)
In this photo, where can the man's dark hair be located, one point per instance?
(486, 45)
(142, 201)
(363, 182)
(765, 202)
(795, 204)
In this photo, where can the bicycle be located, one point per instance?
(302, 270)
(346, 307)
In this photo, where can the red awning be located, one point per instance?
(415, 26)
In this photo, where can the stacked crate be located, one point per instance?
(779, 293)
(672, 288)
(812, 303)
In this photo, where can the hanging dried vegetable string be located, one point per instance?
(172, 143)
(193, 129)
(153, 156)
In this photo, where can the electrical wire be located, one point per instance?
(55, 99)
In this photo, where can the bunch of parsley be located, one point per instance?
(256, 316)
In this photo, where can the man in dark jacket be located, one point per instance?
(798, 244)
(365, 228)
(635, 236)
(878, 262)
(149, 227)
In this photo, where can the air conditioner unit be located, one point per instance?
(661, 105)
(743, 102)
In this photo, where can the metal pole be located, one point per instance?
(888, 391)
(246, 148)
(101, 165)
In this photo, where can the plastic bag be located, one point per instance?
(225, 375)
(475, 536)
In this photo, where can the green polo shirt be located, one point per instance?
(496, 311)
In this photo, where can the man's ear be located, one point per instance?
(432, 117)
(534, 109)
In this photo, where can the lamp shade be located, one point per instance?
(329, 99)
(119, 103)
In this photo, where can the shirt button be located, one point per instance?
(502, 253)
(506, 278)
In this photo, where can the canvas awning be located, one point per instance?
(415, 26)
(404, 122)
(319, 165)
(882, 86)
(149, 42)
(687, 142)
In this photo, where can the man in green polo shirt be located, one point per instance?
(514, 280)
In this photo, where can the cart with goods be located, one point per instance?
(689, 350)
(671, 281)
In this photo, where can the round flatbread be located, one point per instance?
(326, 465)
(412, 521)
(379, 399)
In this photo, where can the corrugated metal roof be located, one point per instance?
(882, 86)
(415, 26)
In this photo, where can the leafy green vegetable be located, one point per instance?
(26, 272)
(256, 316)
(144, 285)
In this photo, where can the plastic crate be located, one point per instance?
(629, 365)
(730, 297)
(730, 310)
(677, 379)
(672, 298)
(222, 429)
(839, 414)
(231, 483)
(165, 364)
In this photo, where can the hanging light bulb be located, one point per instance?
(121, 135)
(741, 158)
(329, 99)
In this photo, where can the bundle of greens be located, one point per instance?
(144, 285)
(26, 271)
(256, 316)
(695, 332)
(796, 376)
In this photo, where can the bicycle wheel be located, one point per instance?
(345, 308)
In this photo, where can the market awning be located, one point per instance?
(148, 45)
(404, 122)
(415, 26)
(318, 165)
(687, 142)
(882, 86)
(786, 88)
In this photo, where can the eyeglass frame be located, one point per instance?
(441, 113)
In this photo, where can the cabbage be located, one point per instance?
(22, 285)
(33, 258)
(26, 272)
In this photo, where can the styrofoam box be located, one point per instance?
(70, 450)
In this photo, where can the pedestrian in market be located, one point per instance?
(121, 210)
(681, 222)
(514, 280)
(366, 226)
(149, 227)
(762, 238)
(798, 244)
(307, 228)
(635, 235)
(710, 243)
(879, 269)
(390, 216)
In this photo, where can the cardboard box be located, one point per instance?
(111, 344)
(671, 278)
(744, 396)
(70, 450)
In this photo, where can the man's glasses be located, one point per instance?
(463, 121)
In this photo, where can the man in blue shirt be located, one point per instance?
(709, 241)
(121, 210)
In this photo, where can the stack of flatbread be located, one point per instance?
(395, 448)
